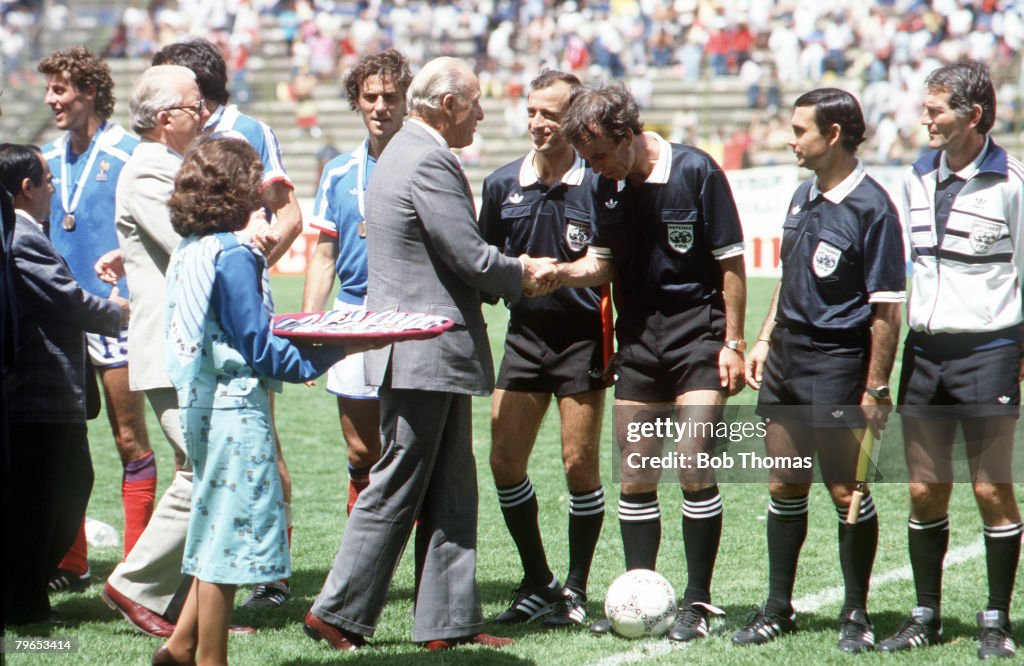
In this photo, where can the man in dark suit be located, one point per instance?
(50, 474)
(425, 254)
(8, 312)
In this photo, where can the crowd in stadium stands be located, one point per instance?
(885, 47)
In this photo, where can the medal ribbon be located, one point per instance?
(361, 179)
(79, 187)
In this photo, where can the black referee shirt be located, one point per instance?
(841, 251)
(520, 214)
(666, 236)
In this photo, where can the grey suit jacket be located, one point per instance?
(147, 239)
(53, 311)
(425, 254)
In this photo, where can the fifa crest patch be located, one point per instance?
(983, 235)
(577, 235)
(826, 259)
(680, 237)
(102, 174)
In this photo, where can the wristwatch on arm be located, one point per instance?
(878, 392)
(736, 345)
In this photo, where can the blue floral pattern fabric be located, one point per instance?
(224, 360)
(237, 531)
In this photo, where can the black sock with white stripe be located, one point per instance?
(857, 546)
(1002, 553)
(702, 531)
(640, 524)
(928, 542)
(586, 515)
(519, 507)
(787, 529)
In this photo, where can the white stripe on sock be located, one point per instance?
(516, 495)
(639, 512)
(867, 511)
(703, 510)
(941, 523)
(590, 504)
(1004, 531)
(789, 507)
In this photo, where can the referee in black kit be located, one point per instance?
(828, 344)
(667, 231)
(539, 205)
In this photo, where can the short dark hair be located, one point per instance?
(833, 106)
(85, 70)
(547, 77)
(19, 161)
(609, 111)
(205, 60)
(389, 64)
(968, 83)
(217, 188)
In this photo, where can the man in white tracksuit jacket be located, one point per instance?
(962, 363)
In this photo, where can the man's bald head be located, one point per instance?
(445, 94)
(439, 77)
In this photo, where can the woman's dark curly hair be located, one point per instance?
(218, 186)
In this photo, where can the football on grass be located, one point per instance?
(640, 603)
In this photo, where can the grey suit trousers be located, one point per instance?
(426, 471)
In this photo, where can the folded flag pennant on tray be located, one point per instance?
(366, 326)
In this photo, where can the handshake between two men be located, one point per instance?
(540, 275)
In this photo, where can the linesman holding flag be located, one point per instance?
(827, 345)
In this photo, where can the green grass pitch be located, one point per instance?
(307, 420)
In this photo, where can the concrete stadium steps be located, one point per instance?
(24, 114)
(716, 104)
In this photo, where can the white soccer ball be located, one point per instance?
(640, 603)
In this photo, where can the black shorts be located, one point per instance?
(662, 356)
(535, 362)
(815, 377)
(947, 385)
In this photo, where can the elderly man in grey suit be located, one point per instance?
(425, 253)
(167, 111)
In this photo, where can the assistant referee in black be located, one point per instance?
(826, 347)
(539, 205)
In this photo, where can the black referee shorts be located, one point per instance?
(815, 377)
(938, 383)
(538, 362)
(664, 355)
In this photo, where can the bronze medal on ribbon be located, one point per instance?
(69, 222)
(362, 229)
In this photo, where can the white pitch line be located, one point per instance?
(653, 648)
(645, 650)
(805, 604)
(813, 602)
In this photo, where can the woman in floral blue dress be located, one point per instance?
(224, 360)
